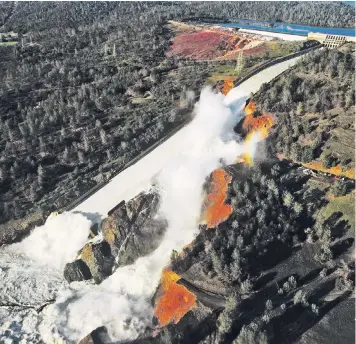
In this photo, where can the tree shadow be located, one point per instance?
(319, 149)
(334, 217)
(254, 306)
(315, 196)
(322, 290)
(308, 319)
(264, 279)
(297, 319)
(342, 246)
(310, 276)
(339, 227)
(270, 259)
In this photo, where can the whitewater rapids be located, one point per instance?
(122, 302)
(31, 274)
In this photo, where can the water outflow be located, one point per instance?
(122, 302)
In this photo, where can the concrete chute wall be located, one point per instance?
(138, 176)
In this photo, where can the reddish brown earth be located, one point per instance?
(336, 170)
(261, 123)
(206, 44)
(211, 44)
(174, 299)
(228, 85)
(216, 211)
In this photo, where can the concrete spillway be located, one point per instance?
(139, 176)
(27, 286)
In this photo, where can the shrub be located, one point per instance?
(251, 335)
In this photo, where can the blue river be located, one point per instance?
(293, 29)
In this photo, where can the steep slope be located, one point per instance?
(314, 108)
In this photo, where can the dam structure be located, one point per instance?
(331, 41)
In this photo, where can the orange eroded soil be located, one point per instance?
(216, 211)
(212, 43)
(256, 122)
(256, 126)
(337, 170)
(174, 301)
(228, 85)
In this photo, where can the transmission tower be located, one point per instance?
(240, 61)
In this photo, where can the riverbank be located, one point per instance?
(292, 29)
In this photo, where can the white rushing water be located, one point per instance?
(32, 270)
(123, 301)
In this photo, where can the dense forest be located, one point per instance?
(84, 101)
(287, 245)
(88, 87)
(318, 13)
(274, 259)
(314, 106)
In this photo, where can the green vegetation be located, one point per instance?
(273, 218)
(273, 49)
(8, 43)
(281, 48)
(346, 206)
(227, 69)
(265, 52)
(314, 106)
(74, 97)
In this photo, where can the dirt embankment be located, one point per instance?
(212, 43)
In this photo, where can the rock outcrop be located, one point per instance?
(116, 227)
(77, 271)
(97, 256)
(130, 231)
(98, 336)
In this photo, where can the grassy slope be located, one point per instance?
(8, 43)
(225, 70)
(266, 51)
(344, 204)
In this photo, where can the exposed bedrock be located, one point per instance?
(98, 257)
(98, 336)
(130, 231)
(77, 271)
